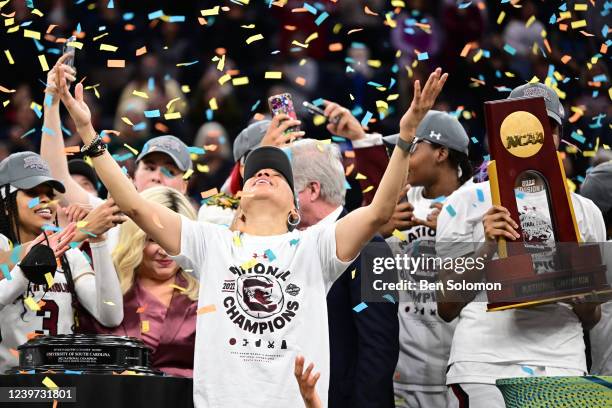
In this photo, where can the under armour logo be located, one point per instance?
(434, 134)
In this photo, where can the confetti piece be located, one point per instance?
(579, 24)
(171, 116)
(31, 34)
(509, 49)
(47, 382)
(480, 195)
(209, 193)
(207, 309)
(254, 38)
(141, 309)
(240, 81)
(270, 255)
(527, 370)
(530, 21)
(389, 297)
(210, 12)
(108, 302)
(34, 202)
(188, 174)
(273, 75)
(6, 272)
(115, 63)
(366, 118)
(399, 235)
(107, 47)
(422, 56)
(141, 51)
(294, 242)
(360, 307)
(368, 189)
(31, 304)
(49, 279)
(144, 326)
(140, 94)
(237, 240)
(9, 57)
(450, 210)
(72, 372)
(43, 62)
(249, 264)
(179, 288)
(353, 272)
(501, 17)
(152, 113)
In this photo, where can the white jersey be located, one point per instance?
(601, 334)
(99, 293)
(424, 338)
(265, 302)
(486, 343)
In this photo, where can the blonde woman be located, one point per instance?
(159, 298)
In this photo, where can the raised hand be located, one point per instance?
(422, 102)
(78, 109)
(76, 212)
(59, 241)
(431, 220)
(307, 382)
(100, 220)
(69, 74)
(402, 218)
(276, 136)
(342, 122)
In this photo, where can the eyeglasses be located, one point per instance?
(416, 142)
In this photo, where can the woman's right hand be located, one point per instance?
(277, 134)
(78, 109)
(498, 224)
(69, 73)
(59, 241)
(102, 218)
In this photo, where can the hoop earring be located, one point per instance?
(294, 223)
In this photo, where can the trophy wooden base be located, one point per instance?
(582, 274)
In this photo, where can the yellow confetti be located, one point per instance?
(203, 168)
(353, 273)
(478, 55)
(108, 47)
(311, 37)
(274, 75)
(240, 81)
(254, 38)
(221, 63)
(224, 79)
(392, 97)
(501, 17)
(31, 34)
(100, 36)
(171, 102)
(237, 240)
(144, 326)
(207, 309)
(530, 21)
(47, 382)
(13, 29)
(173, 115)
(131, 149)
(399, 235)
(75, 44)
(368, 189)
(185, 88)
(140, 94)
(127, 120)
(210, 12)
(187, 174)
(213, 104)
(43, 62)
(249, 264)
(360, 176)
(49, 279)
(578, 24)
(82, 224)
(382, 105)
(9, 22)
(375, 63)
(108, 302)
(9, 57)
(580, 7)
(179, 288)
(31, 304)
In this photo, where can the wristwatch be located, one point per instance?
(404, 145)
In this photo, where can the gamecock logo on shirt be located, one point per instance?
(259, 296)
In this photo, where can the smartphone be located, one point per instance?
(69, 49)
(315, 110)
(283, 103)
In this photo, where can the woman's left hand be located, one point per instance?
(421, 103)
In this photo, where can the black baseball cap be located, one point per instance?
(79, 166)
(268, 157)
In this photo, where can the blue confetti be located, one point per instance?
(450, 210)
(151, 84)
(480, 195)
(474, 140)
(338, 139)
(51, 227)
(156, 14)
(255, 105)
(270, 255)
(509, 49)
(48, 131)
(578, 137)
(360, 307)
(128, 16)
(152, 113)
(73, 372)
(176, 19)
(375, 84)
(111, 4)
(318, 102)
(139, 126)
(15, 254)
(347, 185)
(48, 99)
(366, 118)
(439, 199)
(123, 157)
(310, 9)
(78, 28)
(294, 242)
(422, 56)
(38, 112)
(389, 297)
(519, 194)
(34, 202)
(6, 272)
(600, 78)
(465, 5)
(321, 18)
(527, 370)
(167, 173)
(196, 150)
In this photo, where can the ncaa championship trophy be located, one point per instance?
(524, 162)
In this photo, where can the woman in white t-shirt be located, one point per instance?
(262, 292)
(439, 165)
(28, 210)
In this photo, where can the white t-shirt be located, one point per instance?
(424, 337)
(546, 336)
(269, 295)
(601, 334)
(56, 316)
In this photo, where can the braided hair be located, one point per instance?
(9, 227)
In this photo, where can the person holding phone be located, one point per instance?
(267, 282)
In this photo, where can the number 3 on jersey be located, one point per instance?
(50, 313)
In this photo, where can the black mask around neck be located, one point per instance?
(38, 262)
